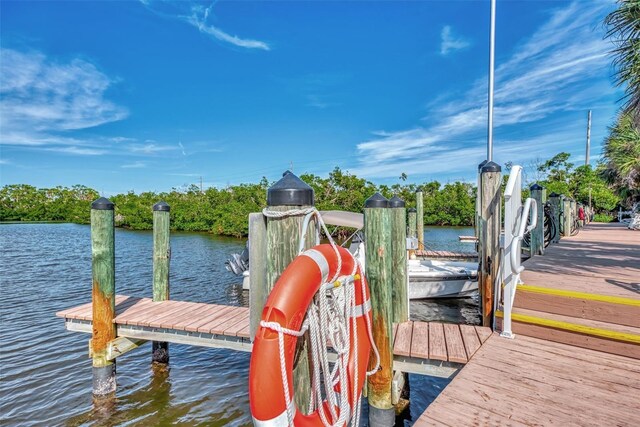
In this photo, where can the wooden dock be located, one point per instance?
(532, 382)
(575, 359)
(430, 348)
(450, 255)
(585, 291)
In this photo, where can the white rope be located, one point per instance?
(327, 321)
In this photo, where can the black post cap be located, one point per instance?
(536, 187)
(412, 210)
(376, 201)
(161, 207)
(490, 167)
(554, 194)
(102, 204)
(481, 165)
(290, 191)
(396, 202)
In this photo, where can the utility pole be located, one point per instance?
(586, 159)
(492, 55)
(201, 183)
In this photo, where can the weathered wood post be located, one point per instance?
(378, 264)
(420, 219)
(566, 211)
(536, 245)
(399, 276)
(574, 213)
(161, 261)
(490, 226)
(283, 238)
(554, 201)
(103, 295)
(258, 291)
(478, 219)
(412, 230)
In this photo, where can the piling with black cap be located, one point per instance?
(420, 219)
(161, 265)
(536, 245)
(283, 238)
(490, 223)
(103, 295)
(379, 267)
(399, 277)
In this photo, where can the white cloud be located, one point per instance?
(43, 101)
(4, 162)
(198, 16)
(79, 151)
(149, 148)
(557, 69)
(134, 165)
(450, 42)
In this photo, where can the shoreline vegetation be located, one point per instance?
(224, 211)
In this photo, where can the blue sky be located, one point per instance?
(150, 95)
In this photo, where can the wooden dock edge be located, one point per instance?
(602, 308)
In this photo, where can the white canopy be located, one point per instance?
(343, 218)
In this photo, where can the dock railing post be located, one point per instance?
(161, 265)
(399, 277)
(420, 219)
(554, 201)
(412, 230)
(490, 226)
(283, 239)
(103, 295)
(536, 245)
(378, 264)
(478, 219)
(567, 217)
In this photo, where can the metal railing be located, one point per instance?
(515, 227)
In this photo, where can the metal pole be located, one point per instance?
(586, 159)
(492, 54)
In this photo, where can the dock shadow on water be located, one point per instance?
(46, 374)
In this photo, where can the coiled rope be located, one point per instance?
(327, 321)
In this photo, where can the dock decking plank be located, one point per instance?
(226, 317)
(470, 339)
(483, 333)
(437, 344)
(180, 322)
(420, 340)
(170, 310)
(221, 327)
(455, 345)
(202, 320)
(139, 306)
(402, 343)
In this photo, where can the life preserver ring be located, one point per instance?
(287, 305)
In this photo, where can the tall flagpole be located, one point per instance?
(492, 49)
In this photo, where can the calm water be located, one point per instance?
(46, 374)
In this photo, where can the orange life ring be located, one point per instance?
(287, 305)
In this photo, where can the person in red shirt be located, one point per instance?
(581, 215)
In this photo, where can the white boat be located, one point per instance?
(441, 279)
(428, 278)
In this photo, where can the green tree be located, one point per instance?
(620, 165)
(623, 29)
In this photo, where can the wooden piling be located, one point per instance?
(420, 219)
(478, 219)
(399, 274)
(536, 245)
(566, 211)
(103, 295)
(257, 270)
(554, 201)
(490, 226)
(161, 261)
(283, 238)
(412, 229)
(378, 263)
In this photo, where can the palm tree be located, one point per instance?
(621, 158)
(623, 28)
